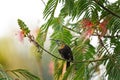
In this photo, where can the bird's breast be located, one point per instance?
(61, 47)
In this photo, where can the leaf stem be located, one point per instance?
(71, 30)
(31, 38)
(111, 12)
(89, 61)
(109, 55)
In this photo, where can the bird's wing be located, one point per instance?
(69, 52)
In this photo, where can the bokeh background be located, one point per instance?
(17, 53)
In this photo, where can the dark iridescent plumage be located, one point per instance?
(65, 51)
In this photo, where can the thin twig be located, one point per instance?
(109, 56)
(71, 30)
(111, 12)
(38, 46)
(31, 38)
(102, 44)
(107, 36)
(89, 61)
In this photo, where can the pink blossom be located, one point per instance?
(88, 33)
(103, 28)
(20, 35)
(86, 23)
(51, 67)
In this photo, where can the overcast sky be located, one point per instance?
(10, 10)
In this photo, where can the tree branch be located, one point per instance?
(89, 61)
(111, 12)
(31, 38)
(109, 55)
(106, 36)
(102, 44)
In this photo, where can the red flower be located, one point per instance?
(103, 23)
(103, 28)
(88, 28)
(20, 35)
(89, 32)
(86, 23)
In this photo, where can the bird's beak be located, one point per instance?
(57, 41)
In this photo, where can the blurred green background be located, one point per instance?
(16, 54)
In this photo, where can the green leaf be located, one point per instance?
(80, 73)
(43, 31)
(64, 35)
(69, 73)
(58, 69)
(113, 69)
(25, 74)
(68, 8)
(4, 75)
(50, 8)
(23, 27)
(59, 33)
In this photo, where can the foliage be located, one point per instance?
(105, 22)
(19, 73)
(4, 75)
(25, 74)
(76, 24)
(23, 27)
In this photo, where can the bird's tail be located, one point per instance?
(68, 64)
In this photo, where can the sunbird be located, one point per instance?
(65, 52)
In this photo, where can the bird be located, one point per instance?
(65, 52)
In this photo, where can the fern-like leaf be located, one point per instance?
(4, 75)
(50, 8)
(26, 74)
